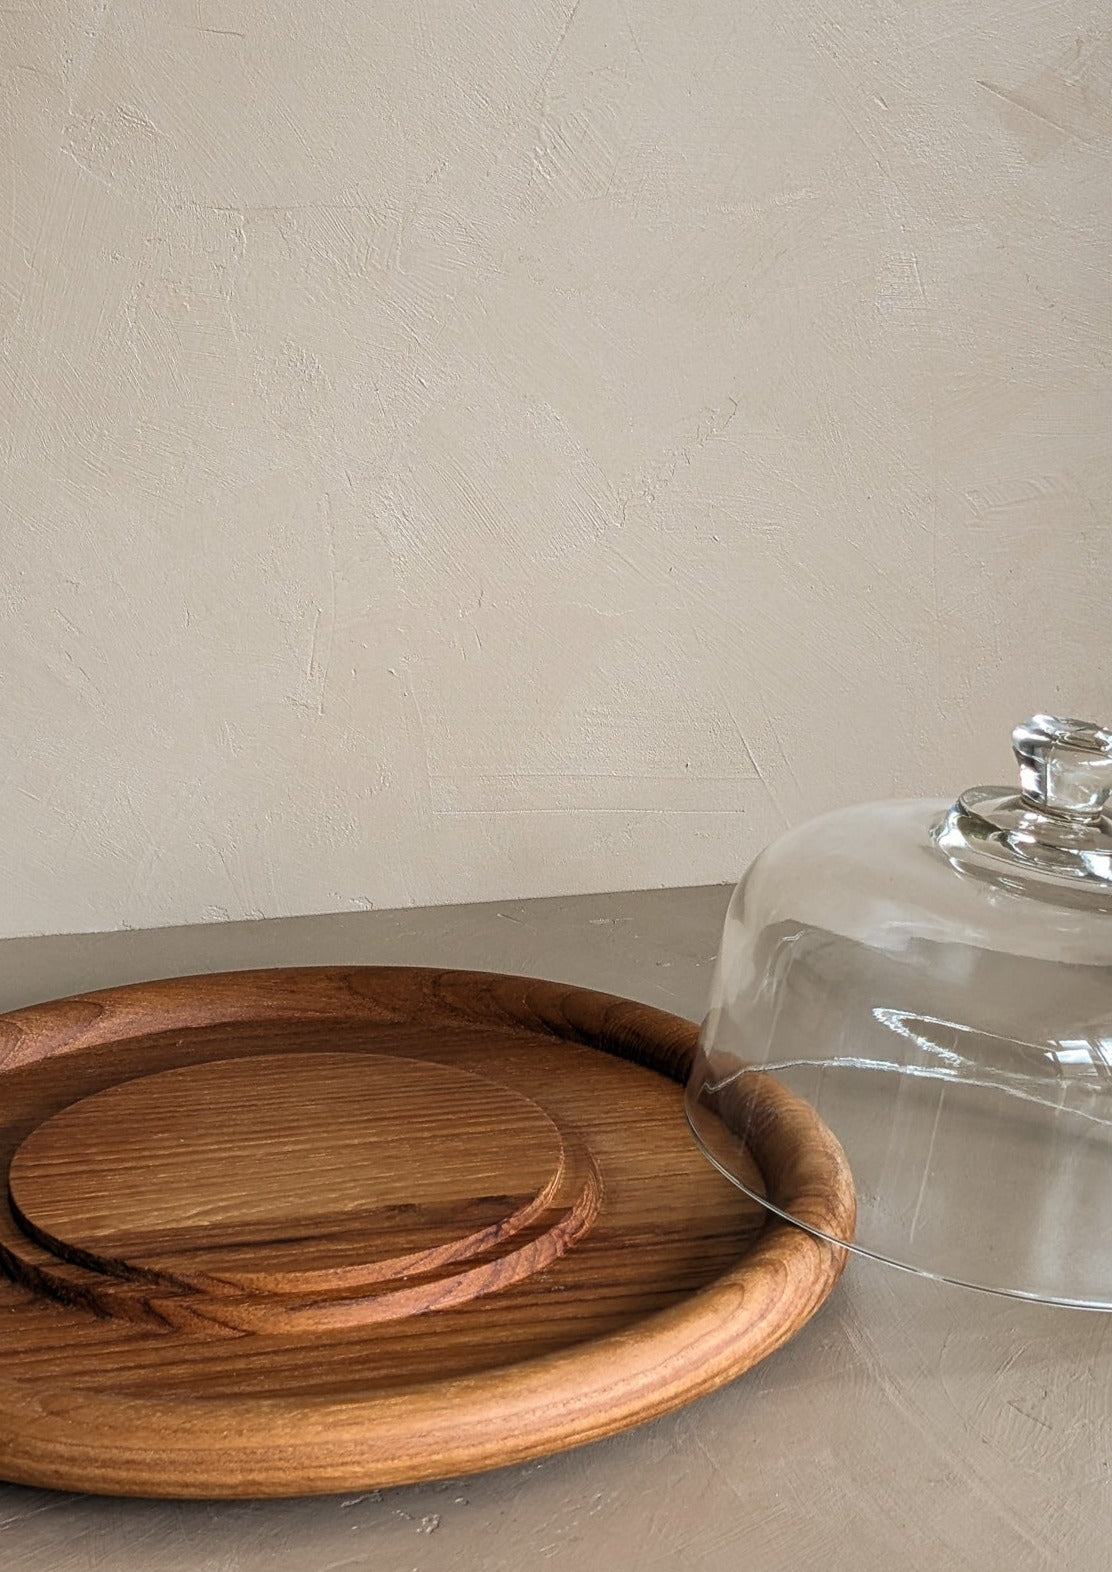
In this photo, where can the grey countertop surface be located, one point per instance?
(910, 1425)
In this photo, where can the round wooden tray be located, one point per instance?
(276, 1232)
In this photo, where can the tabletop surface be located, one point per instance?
(910, 1425)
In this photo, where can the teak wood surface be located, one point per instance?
(281, 1232)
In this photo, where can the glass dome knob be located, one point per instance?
(1065, 766)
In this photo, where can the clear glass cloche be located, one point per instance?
(936, 980)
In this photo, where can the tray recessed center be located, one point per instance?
(279, 1174)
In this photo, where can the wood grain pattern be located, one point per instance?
(278, 1232)
(295, 1192)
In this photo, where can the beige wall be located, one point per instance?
(471, 448)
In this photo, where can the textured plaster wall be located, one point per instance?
(462, 448)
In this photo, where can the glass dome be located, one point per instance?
(936, 981)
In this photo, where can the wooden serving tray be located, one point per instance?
(277, 1232)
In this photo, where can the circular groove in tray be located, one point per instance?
(276, 1192)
